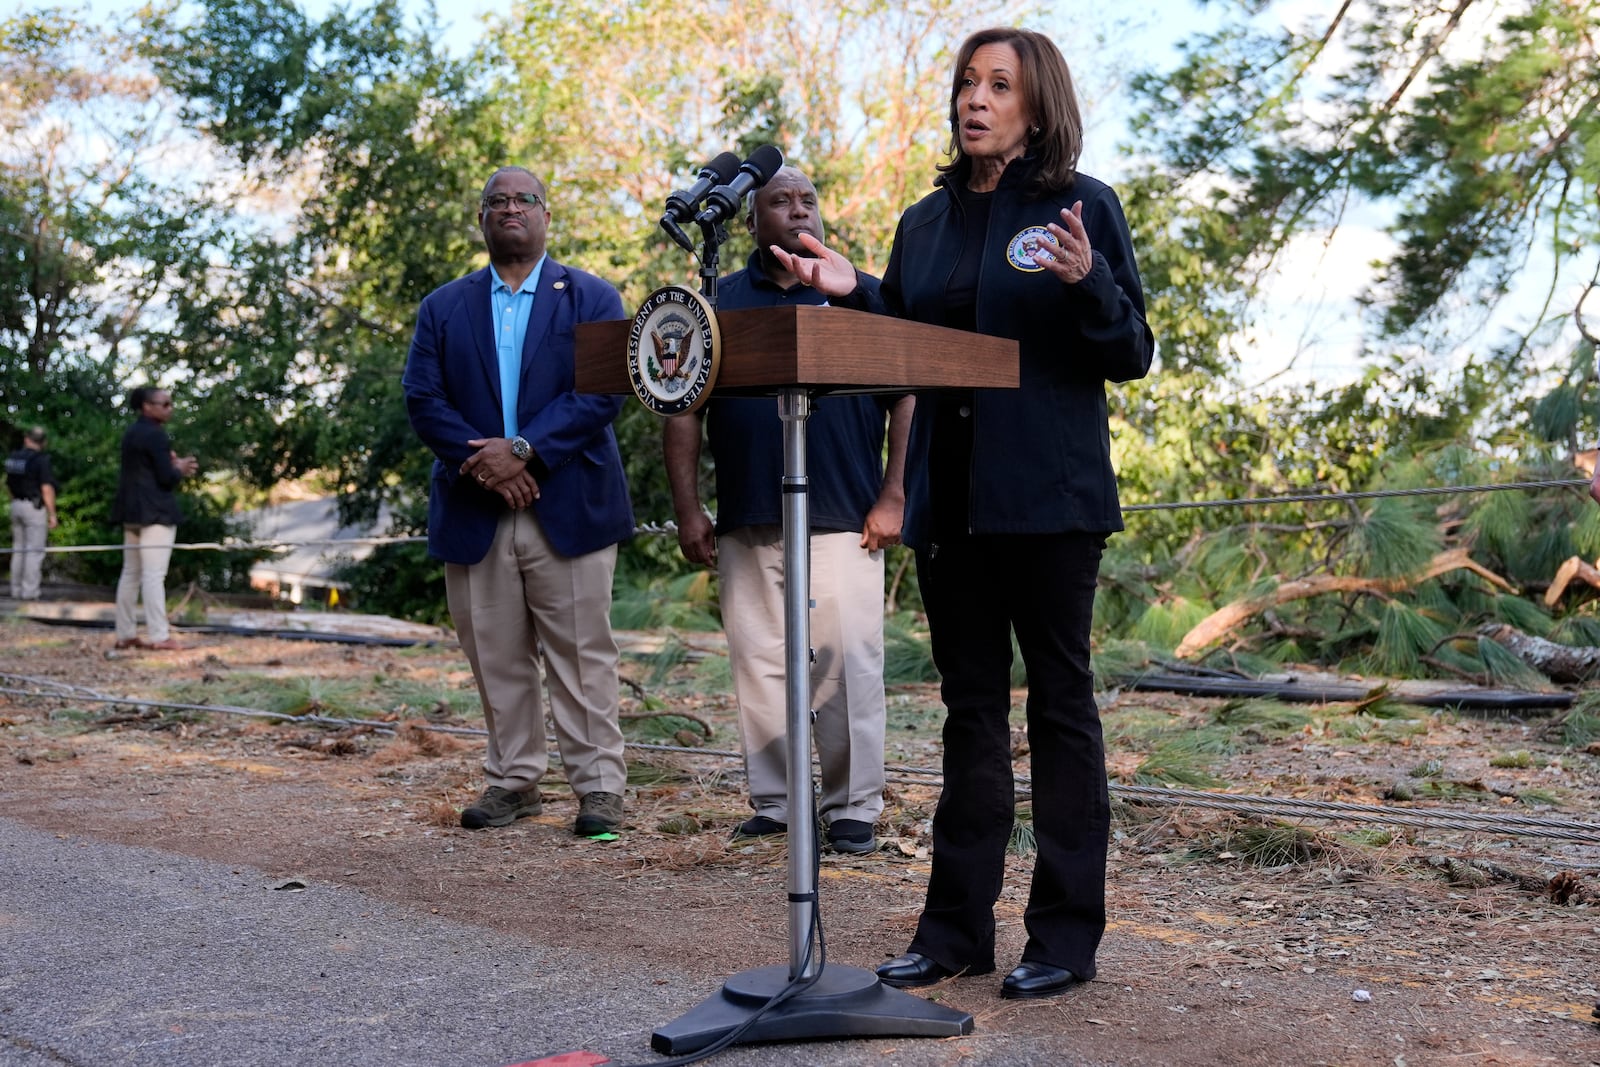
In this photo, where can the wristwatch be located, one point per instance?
(521, 448)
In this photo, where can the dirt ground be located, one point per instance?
(1232, 940)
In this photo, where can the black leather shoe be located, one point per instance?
(1031, 981)
(912, 970)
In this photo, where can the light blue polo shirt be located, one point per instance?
(511, 312)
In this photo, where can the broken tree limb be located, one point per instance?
(1224, 620)
(1573, 569)
(1559, 663)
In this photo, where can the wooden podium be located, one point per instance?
(794, 353)
(819, 349)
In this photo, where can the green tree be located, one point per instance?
(1466, 130)
(95, 238)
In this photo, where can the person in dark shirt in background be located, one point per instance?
(33, 512)
(147, 507)
(856, 504)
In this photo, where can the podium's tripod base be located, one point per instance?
(843, 1002)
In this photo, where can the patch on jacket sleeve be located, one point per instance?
(1022, 247)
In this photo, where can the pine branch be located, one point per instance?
(1223, 621)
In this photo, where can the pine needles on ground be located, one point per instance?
(1276, 845)
(1268, 716)
(1178, 761)
(1023, 842)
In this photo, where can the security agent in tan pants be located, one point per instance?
(526, 506)
(33, 512)
(855, 510)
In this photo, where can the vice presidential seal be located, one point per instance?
(1022, 247)
(674, 351)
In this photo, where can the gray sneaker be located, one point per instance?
(500, 807)
(598, 813)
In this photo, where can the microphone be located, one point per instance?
(723, 201)
(681, 203)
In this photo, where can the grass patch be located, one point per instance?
(1520, 759)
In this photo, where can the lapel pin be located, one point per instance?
(559, 285)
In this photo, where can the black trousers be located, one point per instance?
(976, 590)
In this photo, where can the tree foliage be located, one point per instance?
(328, 169)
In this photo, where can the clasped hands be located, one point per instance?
(497, 470)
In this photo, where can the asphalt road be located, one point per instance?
(111, 955)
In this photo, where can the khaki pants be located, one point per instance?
(147, 551)
(524, 599)
(30, 528)
(846, 675)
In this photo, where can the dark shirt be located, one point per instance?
(27, 473)
(145, 485)
(844, 435)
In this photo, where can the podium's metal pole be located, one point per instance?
(794, 408)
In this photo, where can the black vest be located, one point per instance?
(22, 475)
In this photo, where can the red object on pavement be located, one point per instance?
(566, 1059)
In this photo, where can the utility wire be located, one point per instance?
(661, 529)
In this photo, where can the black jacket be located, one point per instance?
(1041, 454)
(145, 484)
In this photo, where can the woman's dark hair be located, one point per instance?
(1045, 82)
(138, 396)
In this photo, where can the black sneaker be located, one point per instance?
(500, 807)
(598, 813)
(759, 826)
(851, 835)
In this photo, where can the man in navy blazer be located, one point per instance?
(526, 506)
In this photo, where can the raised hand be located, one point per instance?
(1071, 258)
(828, 273)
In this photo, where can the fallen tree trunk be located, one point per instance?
(1224, 620)
(1298, 690)
(1559, 663)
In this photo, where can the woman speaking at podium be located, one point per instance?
(1010, 498)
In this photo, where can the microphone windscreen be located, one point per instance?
(724, 167)
(766, 161)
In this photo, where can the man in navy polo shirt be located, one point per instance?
(856, 504)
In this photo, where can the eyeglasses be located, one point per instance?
(502, 202)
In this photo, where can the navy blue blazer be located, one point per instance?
(452, 389)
